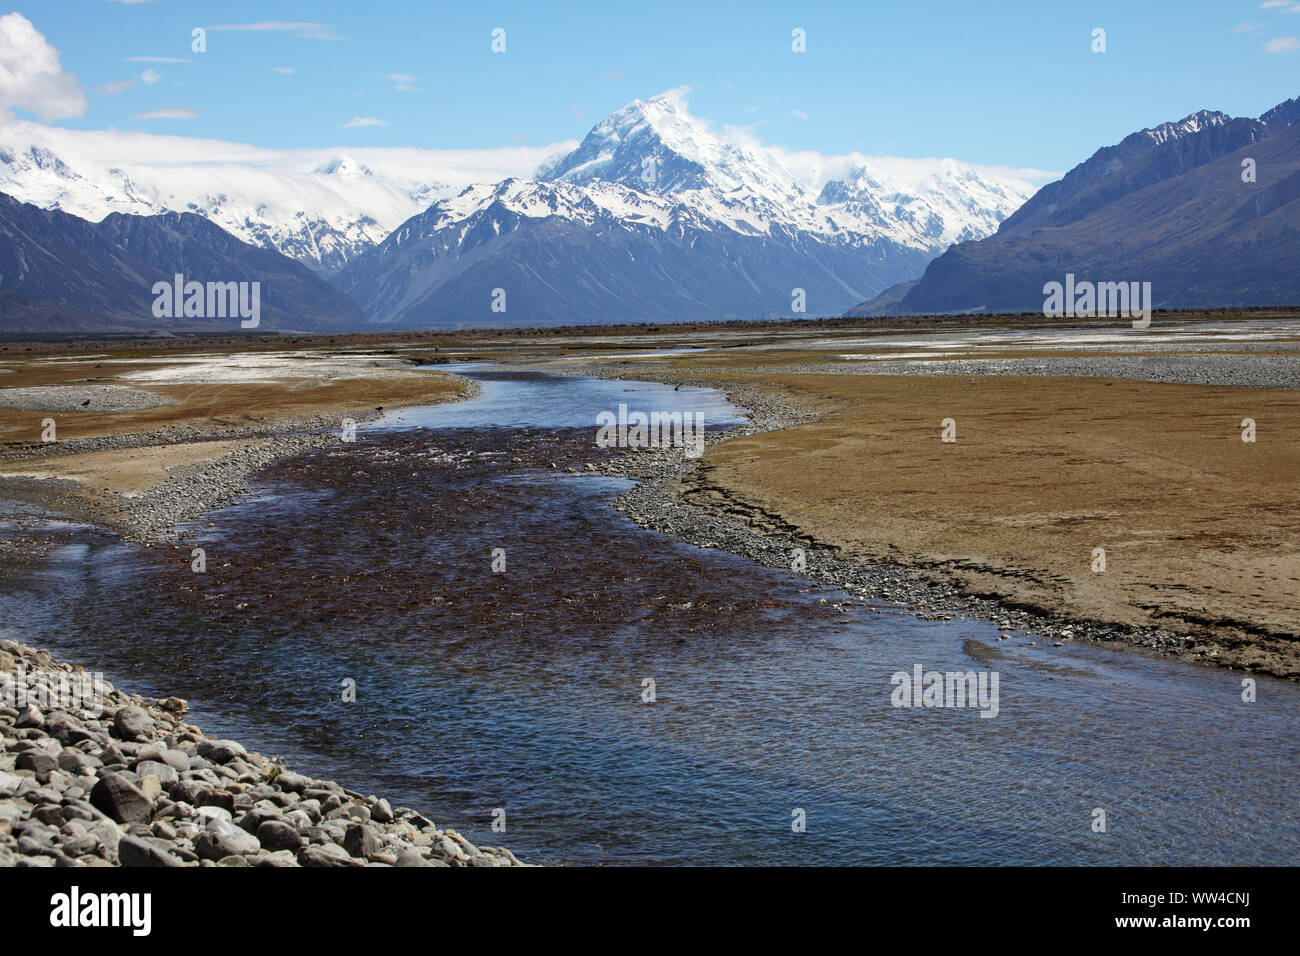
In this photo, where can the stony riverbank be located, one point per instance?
(91, 776)
(670, 497)
(189, 491)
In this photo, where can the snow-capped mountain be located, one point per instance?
(321, 207)
(655, 215)
(568, 254)
(657, 147)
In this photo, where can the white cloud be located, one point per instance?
(282, 70)
(150, 77)
(30, 75)
(812, 170)
(1249, 26)
(798, 114)
(405, 82)
(307, 31)
(167, 114)
(1272, 4)
(678, 97)
(364, 121)
(178, 170)
(117, 86)
(1282, 45)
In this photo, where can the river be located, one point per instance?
(524, 689)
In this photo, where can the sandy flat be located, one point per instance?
(127, 471)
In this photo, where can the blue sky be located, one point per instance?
(998, 83)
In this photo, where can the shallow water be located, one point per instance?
(523, 690)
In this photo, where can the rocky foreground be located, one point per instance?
(90, 776)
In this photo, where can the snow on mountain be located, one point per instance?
(321, 207)
(845, 227)
(656, 146)
(1194, 123)
(953, 204)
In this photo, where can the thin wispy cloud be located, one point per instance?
(307, 31)
(404, 82)
(150, 77)
(114, 88)
(364, 121)
(1250, 26)
(282, 70)
(176, 114)
(1282, 45)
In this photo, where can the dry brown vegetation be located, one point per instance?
(1199, 528)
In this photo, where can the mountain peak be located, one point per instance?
(654, 145)
(343, 166)
(1193, 123)
(657, 146)
(665, 113)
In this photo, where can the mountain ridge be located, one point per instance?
(1162, 205)
(59, 272)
